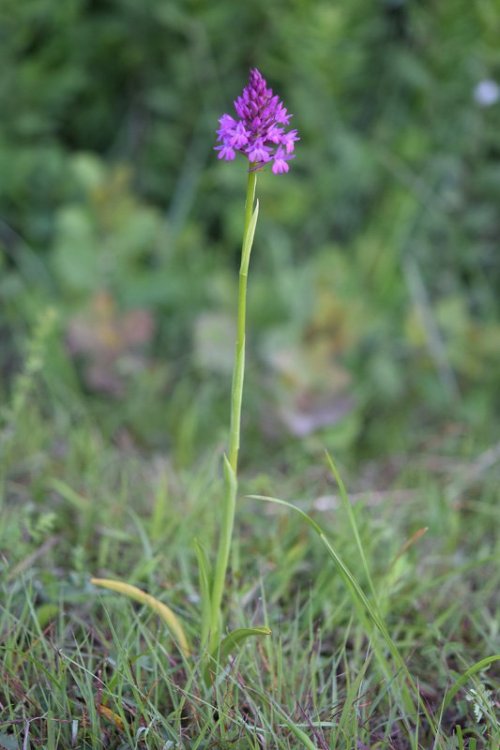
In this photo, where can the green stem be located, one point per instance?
(239, 357)
(231, 463)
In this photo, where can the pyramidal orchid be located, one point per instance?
(259, 132)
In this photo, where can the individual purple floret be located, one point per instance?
(259, 132)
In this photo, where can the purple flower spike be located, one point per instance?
(258, 133)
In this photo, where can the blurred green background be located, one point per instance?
(374, 300)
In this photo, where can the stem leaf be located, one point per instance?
(235, 637)
(248, 241)
(228, 644)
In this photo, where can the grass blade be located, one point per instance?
(352, 520)
(366, 610)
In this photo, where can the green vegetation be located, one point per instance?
(374, 334)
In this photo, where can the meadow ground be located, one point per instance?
(373, 332)
(86, 668)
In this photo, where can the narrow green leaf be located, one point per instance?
(69, 494)
(234, 638)
(294, 729)
(352, 520)
(465, 677)
(276, 501)
(230, 477)
(204, 575)
(228, 644)
(247, 246)
(45, 613)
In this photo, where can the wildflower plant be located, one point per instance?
(260, 133)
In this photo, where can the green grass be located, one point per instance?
(86, 668)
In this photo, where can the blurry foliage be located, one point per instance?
(376, 268)
(105, 236)
(111, 342)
